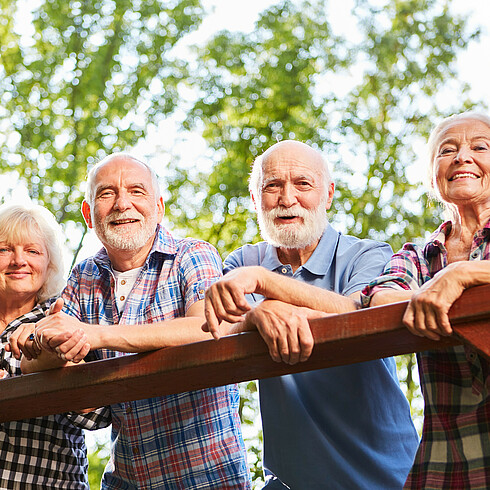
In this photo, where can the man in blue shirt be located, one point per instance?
(337, 428)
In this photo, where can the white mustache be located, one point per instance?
(115, 216)
(287, 212)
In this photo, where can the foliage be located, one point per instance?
(367, 103)
(291, 78)
(86, 80)
(97, 459)
(91, 76)
(253, 89)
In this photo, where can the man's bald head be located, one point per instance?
(117, 158)
(289, 150)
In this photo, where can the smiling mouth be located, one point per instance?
(124, 221)
(465, 175)
(287, 218)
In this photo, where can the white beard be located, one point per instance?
(119, 239)
(298, 236)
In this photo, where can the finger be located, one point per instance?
(421, 320)
(283, 348)
(273, 350)
(85, 349)
(444, 325)
(212, 321)
(227, 299)
(409, 320)
(56, 307)
(238, 303)
(30, 349)
(78, 351)
(69, 341)
(306, 341)
(14, 346)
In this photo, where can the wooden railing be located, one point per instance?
(340, 339)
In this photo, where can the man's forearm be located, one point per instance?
(142, 338)
(289, 290)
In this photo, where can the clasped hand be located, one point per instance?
(57, 333)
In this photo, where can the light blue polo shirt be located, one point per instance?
(345, 427)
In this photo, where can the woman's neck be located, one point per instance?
(11, 310)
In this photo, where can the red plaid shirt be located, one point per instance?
(454, 452)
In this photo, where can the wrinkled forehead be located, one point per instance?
(468, 128)
(122, 171)
(292, 160)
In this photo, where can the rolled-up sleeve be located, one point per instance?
(405, 271)
(200, 267)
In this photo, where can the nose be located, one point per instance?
(122, 202)
(463, 155)
(19, 258)
(288, 196)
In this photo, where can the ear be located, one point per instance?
(86, 214)
(331, 190)
(254, 202)
(160, 209)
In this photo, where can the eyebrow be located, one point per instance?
(104, 187)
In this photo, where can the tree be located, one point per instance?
(87, 78)
(252, 89)
(291, 78)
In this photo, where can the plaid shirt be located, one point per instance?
(43, 452)
(184, 441)
(455, 449)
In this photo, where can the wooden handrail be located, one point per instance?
(339, 339)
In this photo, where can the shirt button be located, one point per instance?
(474, 255)
(136, 451)
(129, 409)
(123, 282)
(284, 270)
(471, 356)
(201, 291)
(122, 298)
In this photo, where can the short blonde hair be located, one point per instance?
(19, 223)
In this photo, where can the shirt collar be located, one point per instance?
(323, 255)
(437, 240)
(320, 259)
(163, 244)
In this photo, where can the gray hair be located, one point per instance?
(434, 137)
(257, 175)
(19, 223)
(90, 190)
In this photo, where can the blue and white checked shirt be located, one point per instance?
(184, 441)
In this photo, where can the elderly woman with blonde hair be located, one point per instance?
(42, 452)
(455, 448)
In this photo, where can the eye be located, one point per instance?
(33, 251)
(446, 150)
(271, 186)
(303, 183)
(105, 194)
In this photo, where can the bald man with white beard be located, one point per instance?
(337, 428)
